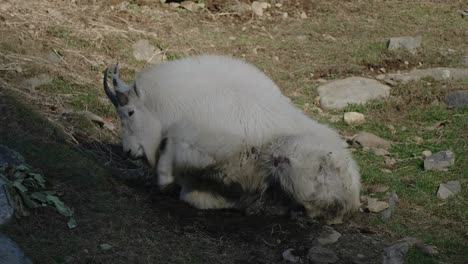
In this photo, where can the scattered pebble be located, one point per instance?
(144, 51)
(353, 118)
(385, 170)
(352, 90)
(418, 140)
(380, 77)
(303, 15)
(410, 44)
(259, 7)
(390, 161)
(328, 236)
(426, 153)
(438, 74)
(456, 99)
(392, 200)
(376, 206)
(396, 253)
(105, 247)
(34, 82)
(440, 160)
(381, 152)
(449, 189)
(365, 139)
(288, 256)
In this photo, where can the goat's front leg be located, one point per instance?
(165, 163)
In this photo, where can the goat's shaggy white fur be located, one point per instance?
(211, 109)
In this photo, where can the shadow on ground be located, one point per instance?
(141, 224)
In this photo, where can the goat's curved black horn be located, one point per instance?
(109, 93)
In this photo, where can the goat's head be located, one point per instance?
(140, 129)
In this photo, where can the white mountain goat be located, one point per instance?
(196, 119)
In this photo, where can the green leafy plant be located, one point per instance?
(27, 190)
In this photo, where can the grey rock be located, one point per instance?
(53, 57)
(11, 253)
(9, 156)
(12, 158)
(288, 256)
(464, 13)
(328, 236)
(368, 140)
(396, 253)
(410, 44)
(438, 74)
(440, 160)
(105, 247)
(321, 255)
(457, 98)
(464, 60)
(144, 51)
(353, 90)
(37, 81)
(392, 200)
(381, 152)
(376, 206)
(449, 189)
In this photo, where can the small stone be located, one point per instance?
(321, 255)
(234, 38)
(464, 13)
(385, 170)
(34, 82)
(378, 188)
(259, 7)
(105, 247)
(390, 161)
(174, 5)
(438, 74)
(328, 236)
(418, 140)
(365, 139)
(303, 15)
(403, 129)
(190, 5)
(439, 161)
(144, 51)
(11, 253)
(376, 206)
(410, 44)
(396, 253)
(392, 200)
(380, 77)
(353, 90)
(381, 152)
(426, 153)
(449, 189)
(353, 118)
(464, 60)
(328, 37)
(457, 98)
(285, 15)
(288, 256)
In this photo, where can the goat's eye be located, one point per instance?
(131, 112)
